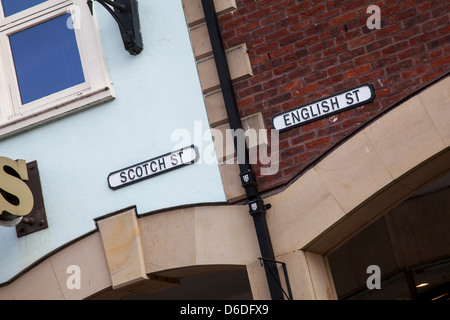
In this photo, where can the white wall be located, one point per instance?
(157, 92)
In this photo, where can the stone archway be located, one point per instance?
(362, 179)
(368, 174)
(356, 183)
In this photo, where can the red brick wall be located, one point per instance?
(303, 50)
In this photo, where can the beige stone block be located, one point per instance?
(253, 135)
(310, 274)
(299, 275)
(320, 277)
(223, 6)
(381, 203)
(353, 172)
(198, 236)
(121, 240)
(258, 281)
(238, 63)
(215, 107)
(257, 141)
(429, 171)
(200, 41)
(39, 283)
(231, 181)
(169, 239)
(255, 130)
(223, 138)
(436, 101)
(307, 274)
(405, 137)
(225, 235)
(301, 212)
(88, 255)
(209, 78)
(194, 11)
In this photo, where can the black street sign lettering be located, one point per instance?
(153, 167)
(324, 108)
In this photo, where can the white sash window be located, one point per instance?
(51, 61)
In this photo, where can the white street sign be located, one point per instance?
(153, 167)
(324, 108)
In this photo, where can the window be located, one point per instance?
(49, 43)
(51, 61)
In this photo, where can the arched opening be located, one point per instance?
(405, 254)
(220, 285)
(391, 181)
(189, 283)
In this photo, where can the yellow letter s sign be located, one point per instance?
(11, 183)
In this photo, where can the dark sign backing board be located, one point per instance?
(153, 167)
(323, 108)
(37, 217)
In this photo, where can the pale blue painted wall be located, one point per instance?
(157, 92)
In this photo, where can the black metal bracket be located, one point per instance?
(288, 284)
(36, 220)
(248, 181)
(257, 206)
(126, 14)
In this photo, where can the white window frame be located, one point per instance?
(97, 86)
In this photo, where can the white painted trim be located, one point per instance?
(59, 109)
(97, 86)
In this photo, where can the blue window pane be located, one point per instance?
(46, 59)
(11, 7)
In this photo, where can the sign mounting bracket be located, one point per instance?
(126, 14)
(37, 219)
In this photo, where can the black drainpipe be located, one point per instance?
(256, 204)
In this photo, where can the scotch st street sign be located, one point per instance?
(324, 108)
(153, 167)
